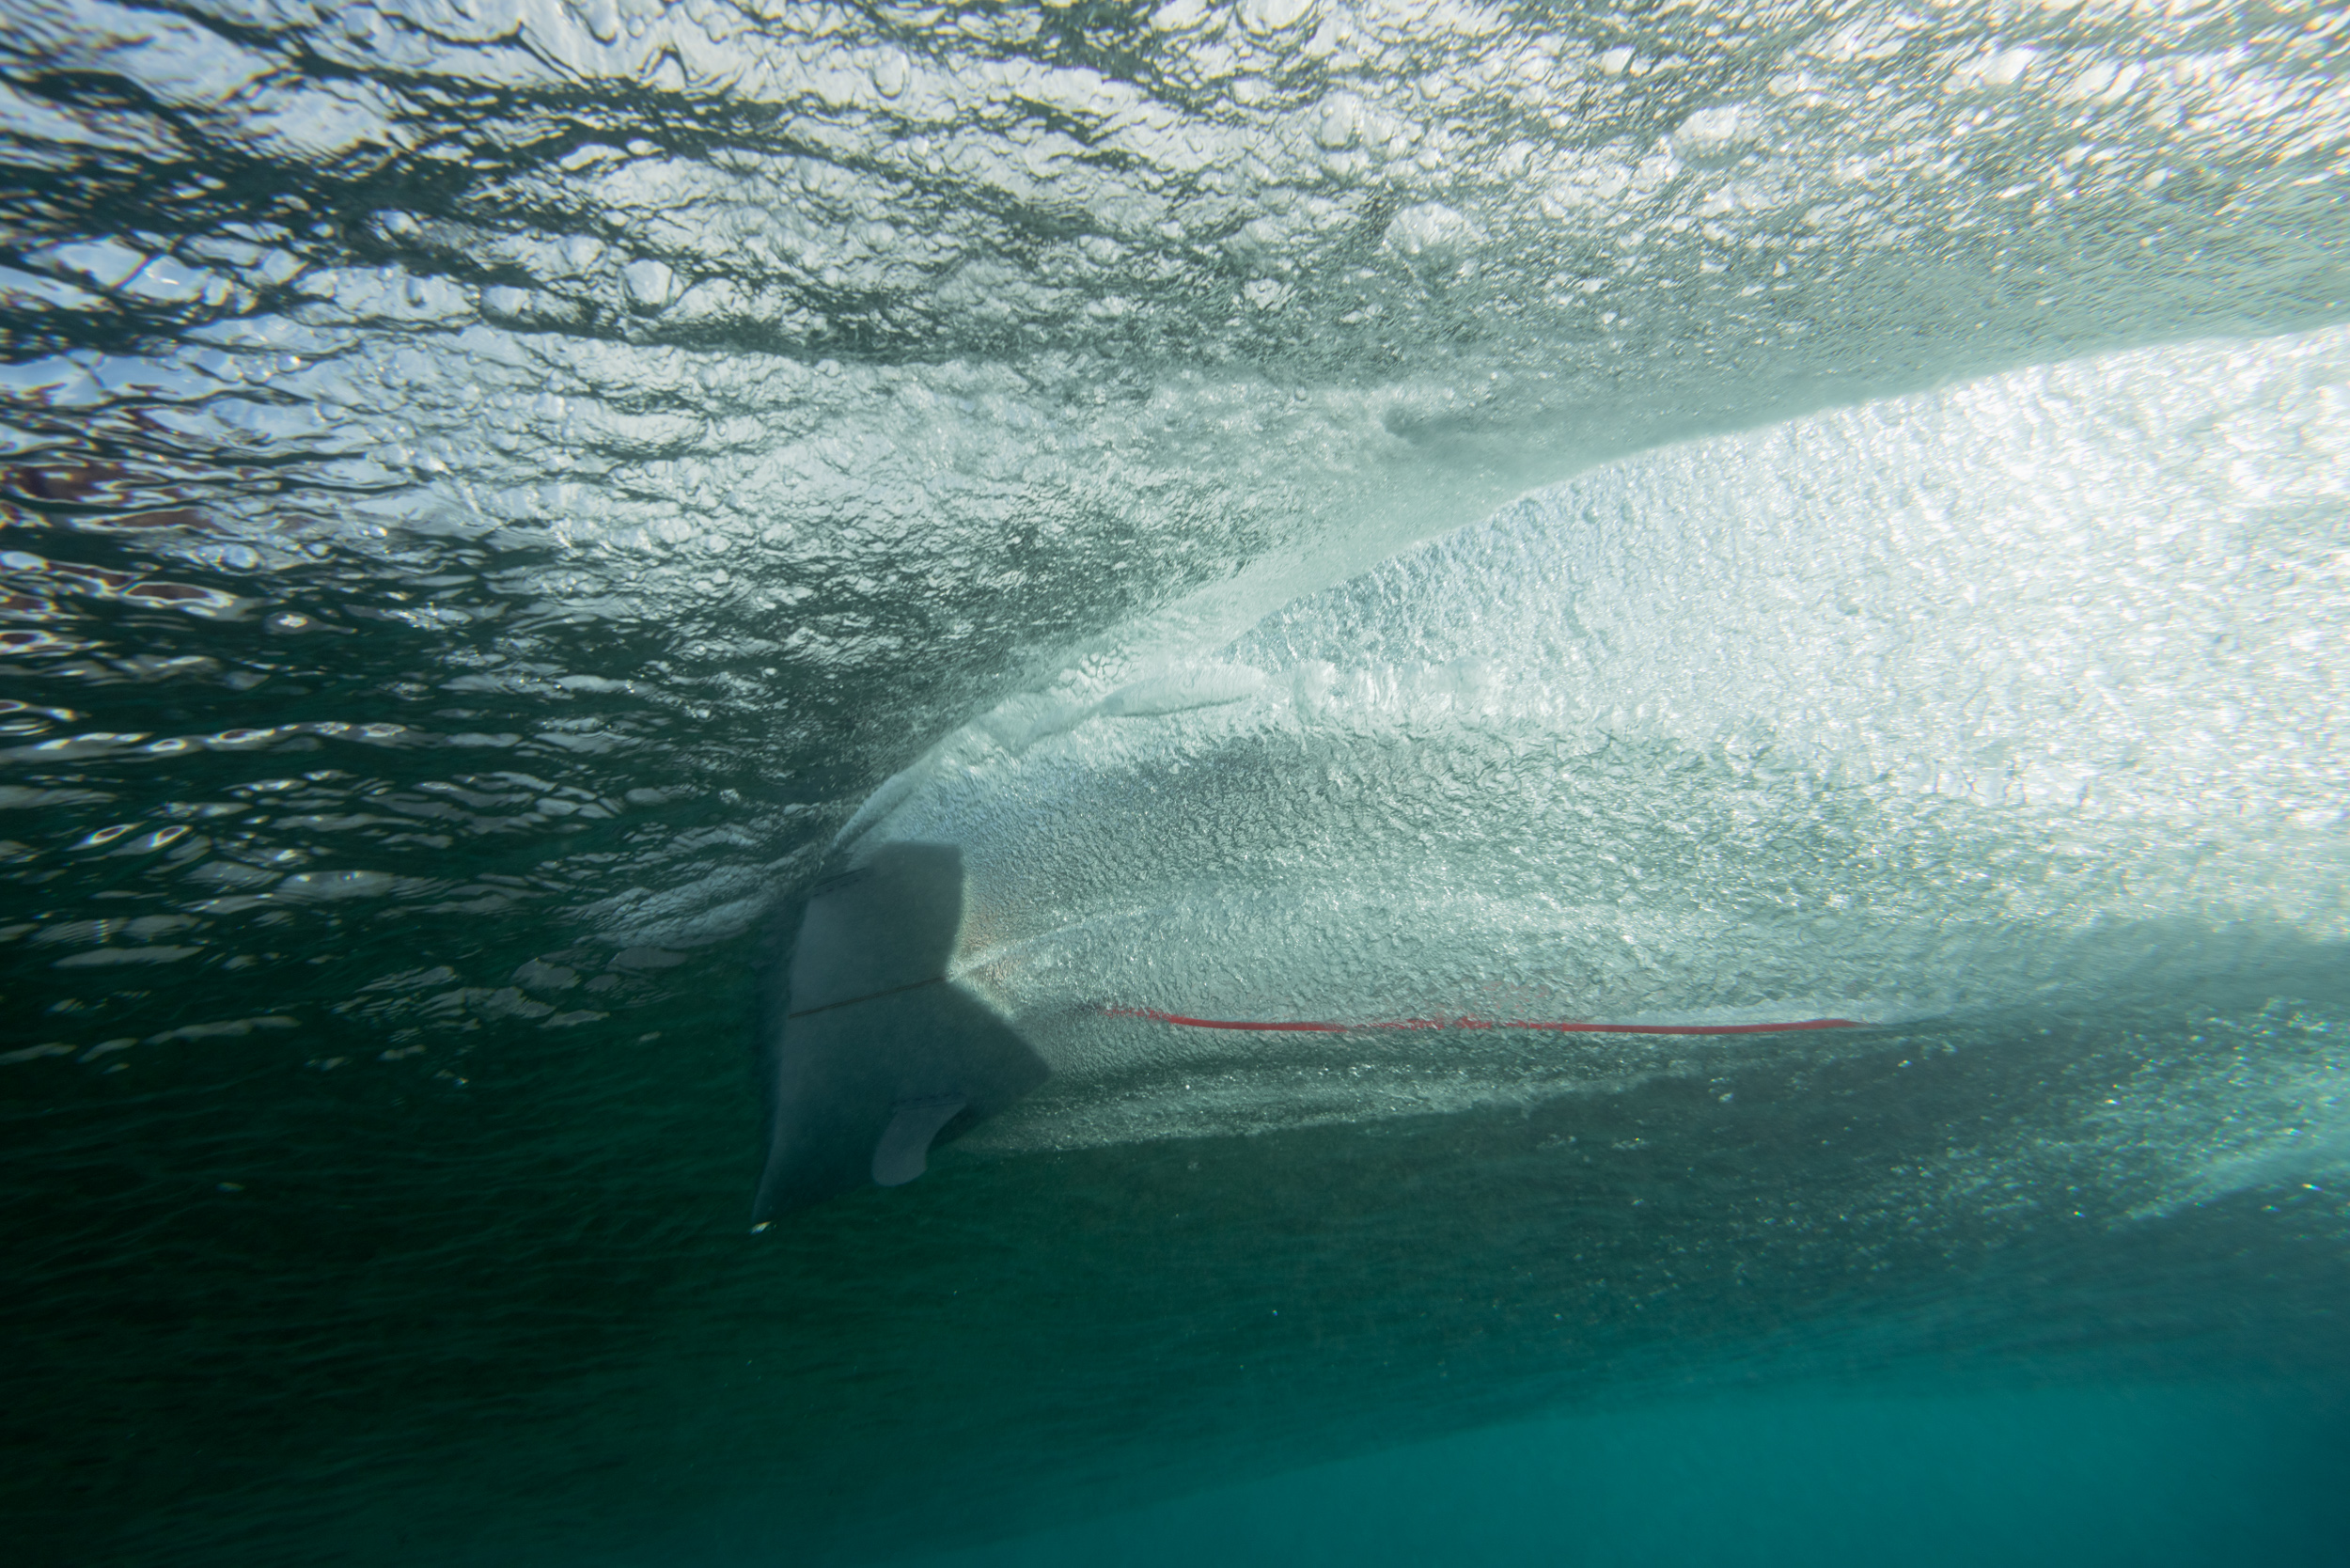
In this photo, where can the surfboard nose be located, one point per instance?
(877, 1051)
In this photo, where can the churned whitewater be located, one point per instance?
(2010, 701)
(1621, 730)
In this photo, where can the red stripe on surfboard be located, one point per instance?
(1180, 1020)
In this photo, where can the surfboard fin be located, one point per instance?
(903, 1151)
(873, 1048)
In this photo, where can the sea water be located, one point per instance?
(1452, 523)
(2143, 1476)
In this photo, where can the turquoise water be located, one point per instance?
(1423, 577)
(2147, 1475)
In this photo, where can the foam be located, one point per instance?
(2013, 700)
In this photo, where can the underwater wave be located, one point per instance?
(2013, 702)
(1338, 511)
(595, 445)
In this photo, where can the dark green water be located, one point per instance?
(523, 1321)
(489, 491)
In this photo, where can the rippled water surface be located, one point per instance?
(1471, 516)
